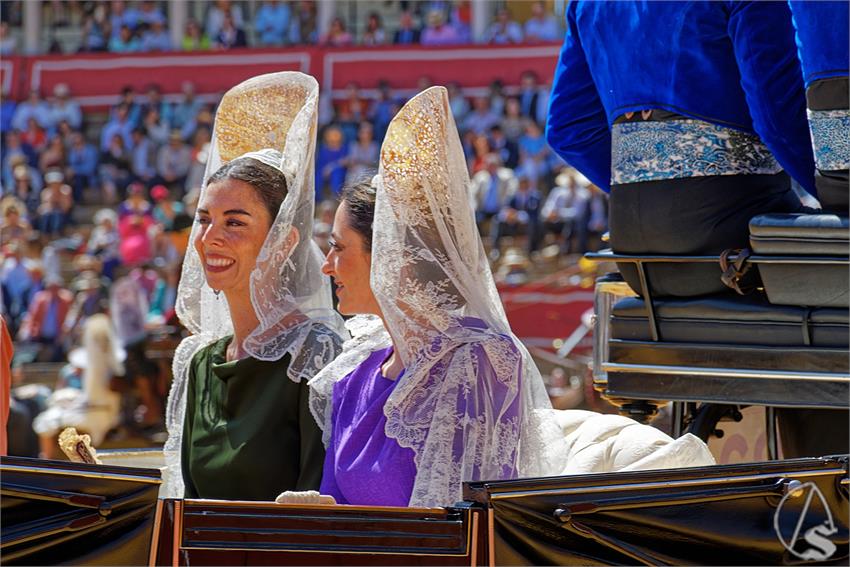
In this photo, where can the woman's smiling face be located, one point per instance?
(233, 223)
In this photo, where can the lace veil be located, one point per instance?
(465, 401)
(271, 118)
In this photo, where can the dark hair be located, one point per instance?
(359, 199)
(269, 182)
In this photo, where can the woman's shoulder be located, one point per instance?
(210, 353)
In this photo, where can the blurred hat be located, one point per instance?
(61, 90)
(135, 189)
(54, 279)
(21, 172)
(159, 192)
(105, 214)
(54, 177)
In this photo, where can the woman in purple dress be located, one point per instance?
(434, 389)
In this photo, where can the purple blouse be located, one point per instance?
(362, 465)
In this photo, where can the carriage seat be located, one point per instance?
(802, 259)
(732, 320)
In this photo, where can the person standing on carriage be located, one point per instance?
(692, 115)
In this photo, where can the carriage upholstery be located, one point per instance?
(732, 319)
(803, 259)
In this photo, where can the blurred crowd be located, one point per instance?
(96, 211)
(119, 26)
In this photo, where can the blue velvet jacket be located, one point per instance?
(822, 38)
(733, 64)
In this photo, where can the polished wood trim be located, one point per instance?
(323, 507)
(491, 538)
(178, 533)
(473, 549)
(157, 520)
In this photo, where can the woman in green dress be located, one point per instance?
(253, 296)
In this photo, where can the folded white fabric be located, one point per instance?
(580, 442)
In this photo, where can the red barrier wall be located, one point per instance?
(95, 79)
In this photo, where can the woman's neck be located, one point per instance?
(244, 321)
(393, 366)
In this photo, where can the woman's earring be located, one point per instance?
(217, 292)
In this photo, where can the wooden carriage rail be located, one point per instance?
(265, 532)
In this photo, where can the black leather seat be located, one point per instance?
(807, 238)
(733, 320)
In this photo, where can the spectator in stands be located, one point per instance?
(230, 36)
(122, 15)
(362, 154)
(217, 14)
(34, 135)
(481, 119)
(173, 161)
(303, 29)
(135, 239)
(337, 35)
(513, 123)
(490, 189)
(203, 120)
(149, 14)
(271, 23)
(63, 107)
(8, 43)
(407, 33)
(529, 94)
(507, 150)
(53, 156)
(45, 319)
(82, 165)
(458, 103)
(186, 110)
(194, 39)
(114, 168)
(13, 226)
(541, 26)
(504, 30)
(17, 284)
(25, 187)
(90, 298)
(143, 157)
(32, 107)
(127, 98)
(200, 150)
(155, 127)
(136, 203)
(126, 42)
(94, 35)
(119, 125)
(154, 100)
(533, 152)
(496, 94)
(383, 110)
(56, 202)
(480, 145)
(374, 33)
(12, 149)
(330, 163)
(565, 210)
(104, 240)
(438, 32)
(165, 209)
(156, 37)
(520, 214)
